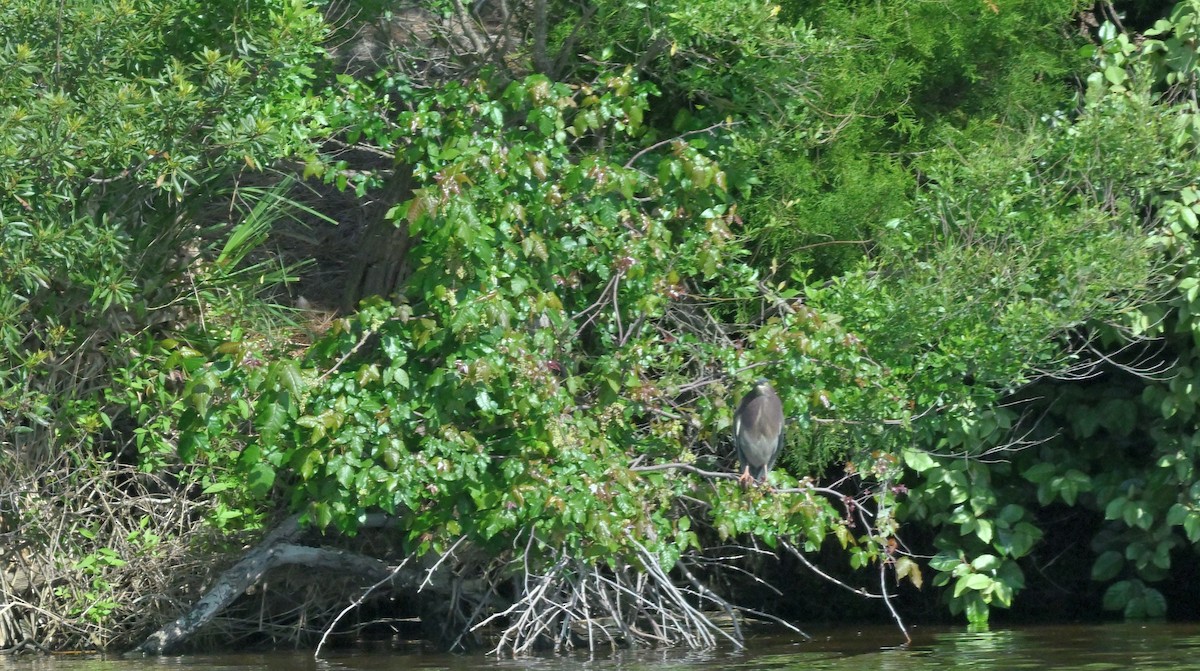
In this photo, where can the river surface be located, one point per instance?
(1082, 647)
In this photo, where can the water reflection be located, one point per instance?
(1090, 648)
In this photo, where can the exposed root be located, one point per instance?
(575, 604)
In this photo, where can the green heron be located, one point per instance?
(758, 431)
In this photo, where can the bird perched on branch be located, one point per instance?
(758, 431)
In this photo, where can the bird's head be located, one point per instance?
(762, 385)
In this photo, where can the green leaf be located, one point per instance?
(944, 561)
(261, 479)
(1149, 604)
(1040, 473)
(190, 443)
(485, 402)
(983, 530)
(1137, 514)
(972, 582)
(1002, 594)
(1115, 74)
(367, 373)
(1118, 595)
(985, 563)
(400, 377)
(1176, 514)
(1162, 555)
(1107, 566)
(1011, 514)
(918, 460)
(978, 582)
(977, 611)
(1115, 509)
(272, 415)
(1191, 526)
(1020, 540)
(218, 487)
(286, 375)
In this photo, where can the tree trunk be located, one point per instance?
(381, 263)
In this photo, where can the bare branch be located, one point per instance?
(887, 600)
(358, 602)
(812, 567)
(711, 129)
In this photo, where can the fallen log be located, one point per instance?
(275, 550)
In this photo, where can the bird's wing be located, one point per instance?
(778, 449)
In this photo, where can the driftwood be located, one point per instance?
(275, 550)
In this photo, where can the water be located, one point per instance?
(1082, 647)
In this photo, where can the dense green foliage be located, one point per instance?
(115, 137)
(1108, 434)
(958, 236)
(123, 129)
(1138, 471)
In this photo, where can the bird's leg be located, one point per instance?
(745, 479)
(765, 484)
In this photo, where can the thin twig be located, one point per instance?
(812, 567)
(888, 602)
(337, 364)
(445, 555)
(656, 145)
(356, 603)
